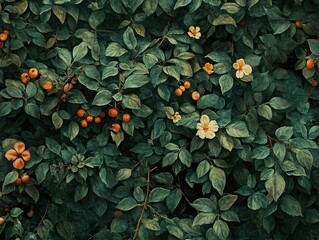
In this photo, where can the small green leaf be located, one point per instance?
(158, 194)
(32, 110)
(151, 224)
(10, 178)
(127, 204)
(218, 179)
(279, 103)
(129, 38)
(81, 191)
(102, 98)
(204, 218)
(123, 174)
(291, 206)
(237, 129)
(275, 186)
(136, 81)
(227, 201)
(221, 229)
(114, 49)
(284, 133)
(79, 51)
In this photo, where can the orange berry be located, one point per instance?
(116, 127)
(113, 112)
(310, 64)
(81, 112)
(18, 163)
(30, 213)
(102, 114)
(47, 86)
(182, 88)
(33, 73)
(67, 87)
(18, 181)
(97, 119)
(314, 83)
(19, 147)
(84, 123)
(25, 178)
(298, 24)
(118, 213)
(24, 77)
(26, 155)
(89, 118)
(1, 44)
(3, 37)
(178, 92)
(2, 220)
(195, 95)
(11, 155)
(74, 80)
(187, 84)
(126, 117)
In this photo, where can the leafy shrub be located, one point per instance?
(159, 119)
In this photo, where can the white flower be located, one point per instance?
(194, 32)
(176, 117)
(242, 68)
(206, 128)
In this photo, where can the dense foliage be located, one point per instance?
(159, 119)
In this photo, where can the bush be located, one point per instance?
(159, 119)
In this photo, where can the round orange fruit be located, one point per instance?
(33, 73)
(25, 78)
(195, 95)
(116, 127)
(113, 112)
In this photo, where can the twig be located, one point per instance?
(42, 219)
(145, 203)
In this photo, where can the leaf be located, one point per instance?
(158, 194)
(218, 179)
(279, 150)
(264, 111)
(182, 3)
(257, 201)
(275, 186)
(260, 152)
(131, 101)
(284, 133)
(202, 168)
(237, 129)
(5, 108)
(227, 201)
(151, 224)
(129, 38)
(173, 199)
(313, 132)
(33, 192)
(114, 49)
(81, 191)
(65, 229)
(185, 157)
(204, 218)
(127, 204)
(79, 51)
(72, 130)
(123, 174)
(226, 83)
(10, 178)
(65, 55)
(59, 12)
(32, 110)
(57, 120)
(175, 231)
(204, 205)
(305, 158)
(139, 29)
(102, 98)
(314, 46)
(291, 206)
(230, 216)
(224, 19)
(136, 81)
(15, 212)
(221, 229)
(210, 100)
(53, 145)
(41, 172)
(279, 103)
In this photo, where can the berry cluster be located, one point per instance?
(31, 74)
(3, 37)
(182, 88)
(81, 113)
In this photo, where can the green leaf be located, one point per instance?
(65, 229)
(260, 152)
(96, 18)
(210, 101)
(57, 120)
(81, 191)
(202, 168)
(291, 206)
(279, 103)
(123, 174)
(14, 92)
(31, 90)
(131, 101)
(173, 199)
(41, 172)
(226, 83)
(117, 137)
(10, 178)
(53, 145)
(79, 51)
(15, 212)
(204, 218)
(136, 81)
(218, 179)
(230, 216)
(102, 98)
(151, 224)
(175, 231)
(65, 55)
(5, 108)
(257, 201)
(114, 49)
(204, 205)
(32, 110)
(33, 192)
(129, 38)
(77, 97)
(221, 229)
(158, 194)
(59, 12)
(173, 71)
(314, 46)
(227, 201)
(313, 132)
(264, 111)
(231, 7)
(72, 130)
(224, 19)
(305, 158)
(127, 204)
(279, 150)
(182, 3)
(275, 186)
(284, 133)
(185, 157)
(237, 129)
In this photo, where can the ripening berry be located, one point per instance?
(67, 87)
(89, 118)
(126, 117)
(298, 24)
(25, 178)
(102, 114)
(118, 213)
(97, 119)
(182, 88)
(113, 112)
(6, 31)
(33, 73)
(195, 95)
(2, 220)
(187, 84)
(3, 37)
(310, 64)
(81, 112)
(314, 83)
(116, 127)
(47, 86)
(24, 77)
(1, 44)
(84, 123)
(17, 182)
(30, 213)
(178, 92)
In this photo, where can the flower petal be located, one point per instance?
(200, 133)
(241, 62)
(199, 126)
(236, 65)
(213, 126)
(247, 69)
(239, 74)
(191, 28)
(204, 119)
(198, 35)
(210, 134)
(191, 34)
(197, 29)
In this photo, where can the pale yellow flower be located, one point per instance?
(209, 68)
(194, 32)
(242, 68)
(176, 117)
(206, 128)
